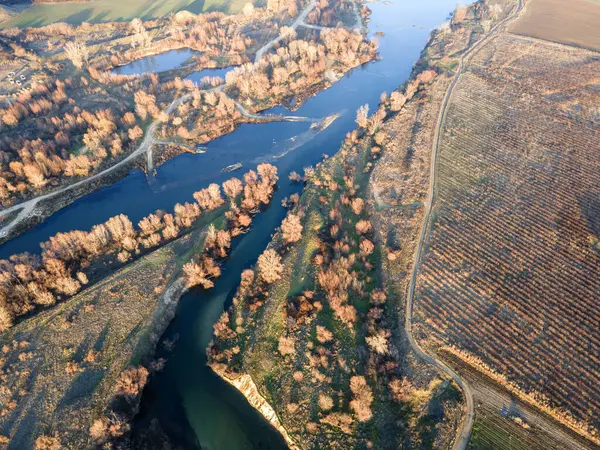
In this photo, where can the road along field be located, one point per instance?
(511, 265)
(574, 22)
(503, 422)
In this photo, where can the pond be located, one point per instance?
(156, 63)
(193, 406)
(196, 77)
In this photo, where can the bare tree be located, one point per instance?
(362, 116)
(232, 188)
(292, 229)
(141, 37)
(269, 266)
(78, 53)
(363, 397)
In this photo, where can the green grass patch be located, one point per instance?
(100, 11)
(489, 434)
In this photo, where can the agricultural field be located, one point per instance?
(100, 11)
(574, 22)
(503, 422)
(512, 259)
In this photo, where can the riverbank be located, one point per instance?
(201, 402)
(321, 340)
(210, 115)
(61, 366)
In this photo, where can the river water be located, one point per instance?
(191, 404)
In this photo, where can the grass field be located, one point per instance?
(97, 11)
(575, 22)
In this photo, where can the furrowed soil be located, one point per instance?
(512, 261)
(497, 414)
(574, 22)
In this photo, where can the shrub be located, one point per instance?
(286, 346)
(363, 397)
(269, 266)
(132, 381)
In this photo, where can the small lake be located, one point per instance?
(187, 400)
(156, 63)
(196, 77)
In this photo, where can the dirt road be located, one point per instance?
(299, 20)
(463, 434)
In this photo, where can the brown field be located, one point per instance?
(512, 262)
(574, 22)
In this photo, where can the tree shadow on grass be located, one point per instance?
(79, 17)
(101, 338)
(81, 388)
(197, 6)
(23, 438)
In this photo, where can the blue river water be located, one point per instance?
(189, 402)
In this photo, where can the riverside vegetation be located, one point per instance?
(74, 117)
(315, 324)
(326, 309)
(95, 348)
(80, 320)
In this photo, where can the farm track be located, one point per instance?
(463, 434)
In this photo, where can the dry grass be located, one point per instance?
(59, 368)
(573, 22)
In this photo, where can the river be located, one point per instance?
(189, 402)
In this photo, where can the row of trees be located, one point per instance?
(29, 281)
(245, 199)
(298, 64)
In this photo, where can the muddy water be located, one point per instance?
(187, 401)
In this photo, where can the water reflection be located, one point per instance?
(156, 63)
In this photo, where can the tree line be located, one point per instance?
(30, 282)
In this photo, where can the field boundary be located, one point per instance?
(562, 45)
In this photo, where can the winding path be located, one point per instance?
(464, 433)
(299, 20)
(357, 26)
